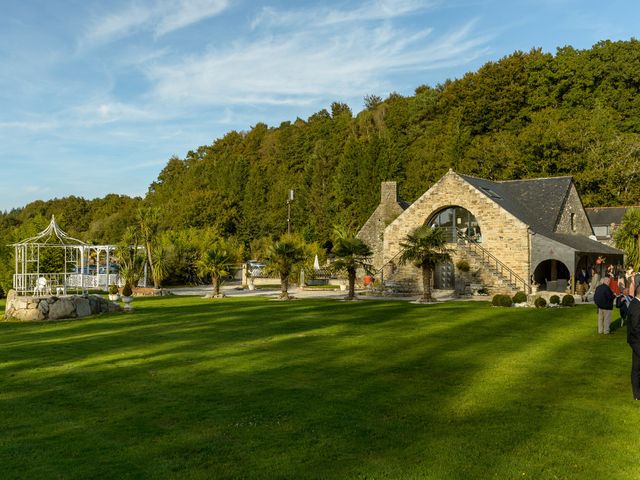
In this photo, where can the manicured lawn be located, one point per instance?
(250, 388)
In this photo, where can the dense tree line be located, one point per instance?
(530, 114)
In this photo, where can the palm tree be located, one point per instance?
(352, 254)
(148, 220)
(215, 261)
(627, 236)
(282, 258)
(130, 258)
(425, 247)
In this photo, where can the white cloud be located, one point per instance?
(302, 66)
(182, 13)
(371, 10)
(160, 17)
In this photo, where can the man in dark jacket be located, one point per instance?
(633, 339)
(622, 303)
(603, 298)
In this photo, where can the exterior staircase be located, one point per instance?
(502, 277)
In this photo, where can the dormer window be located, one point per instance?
(490, 192)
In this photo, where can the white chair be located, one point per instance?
(41, 286)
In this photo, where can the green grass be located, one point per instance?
(251, 388)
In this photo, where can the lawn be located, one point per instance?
(251, 388)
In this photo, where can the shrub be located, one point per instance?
(540, 302)
(554, 300)
(463, 265)
(505, 301)
(501, 300)
(113, 289)
(126, 291)
(568, 301)
(520, 297)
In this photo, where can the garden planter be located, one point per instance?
(127, 303)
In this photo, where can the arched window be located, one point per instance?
(458, 222)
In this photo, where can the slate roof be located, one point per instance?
(605, 215)
(539, 203)
(583, 244)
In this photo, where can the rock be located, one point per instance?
(94, 303)
(63, 308)
(44, 307)
(83, 307)
(30, 315)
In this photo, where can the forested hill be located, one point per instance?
(527, 115)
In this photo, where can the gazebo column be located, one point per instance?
(81, 249)
(98, 267)
(107, 270)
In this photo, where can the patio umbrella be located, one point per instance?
(316, 263)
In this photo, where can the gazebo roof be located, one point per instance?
(52, 236)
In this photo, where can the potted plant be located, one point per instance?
(127, 296)
(113, 293)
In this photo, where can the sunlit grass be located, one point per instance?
(193, 388)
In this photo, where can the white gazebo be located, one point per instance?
(78, 264)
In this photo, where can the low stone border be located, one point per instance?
(55, 308)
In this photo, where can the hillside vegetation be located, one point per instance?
(526, 115)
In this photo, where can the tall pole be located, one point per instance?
(289, 200)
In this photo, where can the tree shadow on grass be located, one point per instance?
(302, 390)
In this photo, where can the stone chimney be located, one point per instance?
(388, 192)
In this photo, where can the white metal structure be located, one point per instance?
(75, 271)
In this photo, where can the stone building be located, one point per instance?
(512, 234)
(605, 220)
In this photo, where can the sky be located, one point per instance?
(96, 96)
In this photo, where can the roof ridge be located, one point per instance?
(534, 179)
(620, 206)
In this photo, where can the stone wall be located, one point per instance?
(55, 308)
(372, 232)
(573, 206)
(504, 235)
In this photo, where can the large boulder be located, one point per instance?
(83, 307)
(56, 308)
(63, 308)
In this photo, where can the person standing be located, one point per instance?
(622, 303)
(633, 339)
(595, 281)
(603, 298)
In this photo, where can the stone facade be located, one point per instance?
(502, 233)
(55, 308)
(372, 232)
(523, 223)
(573, 218)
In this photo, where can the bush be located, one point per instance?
(1, 292)
(540, 302)
(126, 291)
(520, 297)
(554, 300)
(568, 301)
(501, 300)
(463, 265)
(113, 289)
(506, 301)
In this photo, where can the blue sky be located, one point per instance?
(96, 96)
